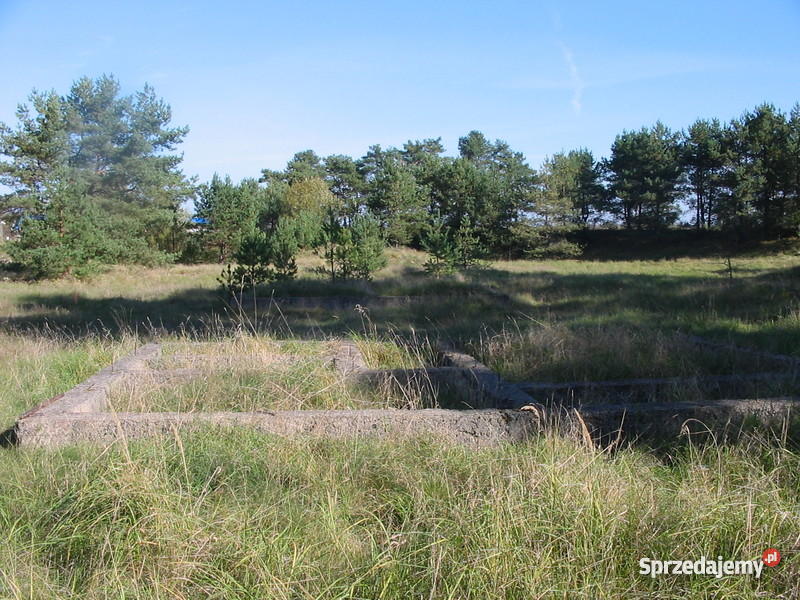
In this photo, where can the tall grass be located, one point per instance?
(235, 514)
(553, 351)
(224, 514)
(40, 365)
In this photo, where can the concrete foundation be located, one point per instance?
(499, 412)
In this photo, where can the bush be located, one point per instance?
(353, 251)
(365, 254)
(543, 241)
(442, 250)
(451, 250)
(70, 235)
(262, 258)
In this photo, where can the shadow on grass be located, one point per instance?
(698, 304)
(458, 310)
(610, 245)
(202, 312)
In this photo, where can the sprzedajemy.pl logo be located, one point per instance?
(713, 568)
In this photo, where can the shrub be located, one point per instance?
(262, 258)
(69, 234)
(451, 249)
(352, 251)
(364, 255)
(543, 241)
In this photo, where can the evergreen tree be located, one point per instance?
(352, 250)
(703, 158)
(438, 242)
(113, 151)
(762, 163)
(304, 165)
(398, 203)
(231, 213)
(571, 189)
(345, 182)
(646, 177)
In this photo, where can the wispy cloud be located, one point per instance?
(576, 82)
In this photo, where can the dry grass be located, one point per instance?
(231, 515)
(250, 373)
(553, 352)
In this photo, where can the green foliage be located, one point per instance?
(352, 250)
(399, 203)
(438, 242)
(231, 212)
(467, 245)
(69, 234)
(543, 241)
(452, 249)
(252, 265)
(571, 191)
(764, 171)
(364, 255)
(703, 154)
(262, 258)
(345, 181)
(304, 165)
(116, 151)
(646, 176)
(284, 243)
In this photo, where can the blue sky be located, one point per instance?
(258, 81)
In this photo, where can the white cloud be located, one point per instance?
(576, 82)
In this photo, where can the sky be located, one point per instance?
(258, 81)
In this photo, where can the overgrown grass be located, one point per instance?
(250, 373)
(235, 514)
(38, 366)
(241, 515)
(555, 352)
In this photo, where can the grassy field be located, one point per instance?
(242, 515)
(252, 373)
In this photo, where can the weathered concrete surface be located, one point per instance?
(347, 358)
(90, 396)
(78, 415)
(637, 390)
(474, 428)
(449, 387)
(498, 392)
(666, 420)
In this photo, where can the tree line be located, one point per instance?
(96, 179)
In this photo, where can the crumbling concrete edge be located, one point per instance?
(91, 395)
(476, 428)
(502, 393)
(77, 416)
(657, 420)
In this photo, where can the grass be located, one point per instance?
(252, 373)
(241, 515)
(224, 514)
(37, 367)
(553, 352)
(245, 374)
(241, 390)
